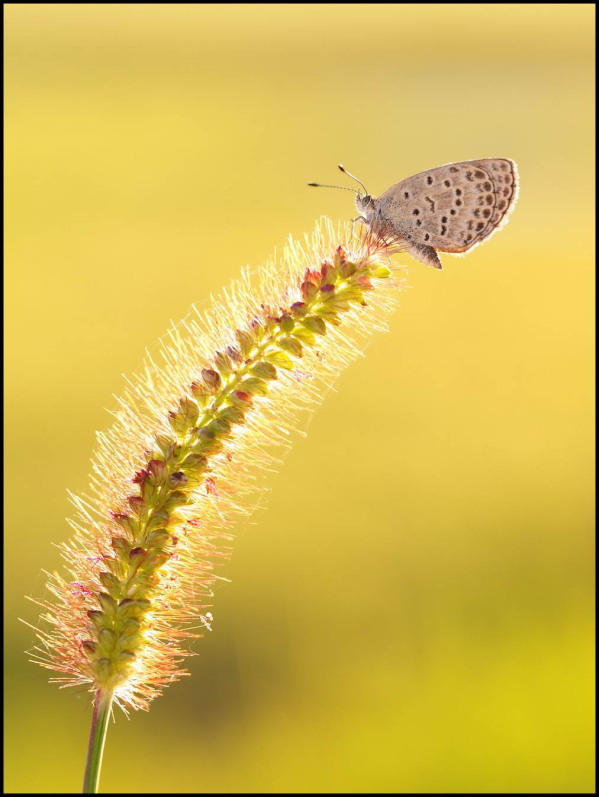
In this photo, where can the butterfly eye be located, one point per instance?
(366, 200)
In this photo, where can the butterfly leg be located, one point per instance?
(353, 223)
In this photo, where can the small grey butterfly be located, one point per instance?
(452, 208)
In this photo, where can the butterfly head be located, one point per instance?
(363, 202)
(365, 207)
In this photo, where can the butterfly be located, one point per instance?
(452, 208)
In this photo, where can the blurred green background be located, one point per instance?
(414, 609)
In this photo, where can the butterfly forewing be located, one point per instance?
(451, 208)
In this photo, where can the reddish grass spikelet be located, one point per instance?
(181, 462)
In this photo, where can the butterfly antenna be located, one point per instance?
(342, 187)
(349, 174)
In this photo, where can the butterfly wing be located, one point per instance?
(451, 208)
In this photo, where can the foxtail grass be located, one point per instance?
(180, 466)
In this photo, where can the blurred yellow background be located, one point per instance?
(414, 609)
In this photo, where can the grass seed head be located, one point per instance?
(179, 466)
